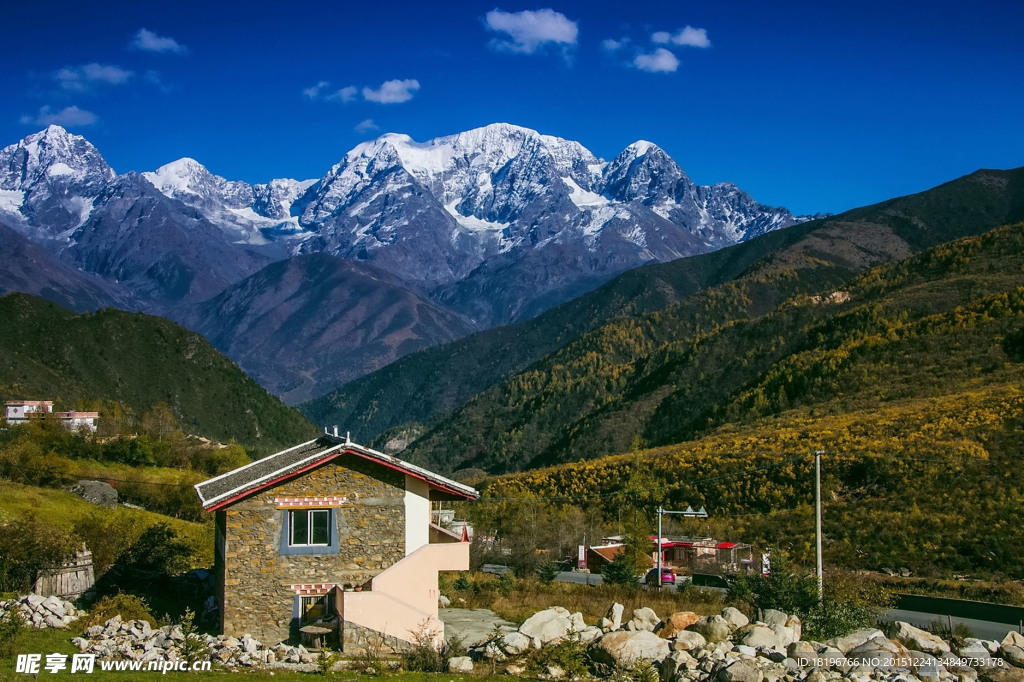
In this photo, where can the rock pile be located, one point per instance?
(729, 648)
(42, 612)
(137, 640)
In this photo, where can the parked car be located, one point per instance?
(667, 577)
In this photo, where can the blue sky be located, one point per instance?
(817, 106)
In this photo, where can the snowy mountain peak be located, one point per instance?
(184, 175)
(52, 153)
(640, 148)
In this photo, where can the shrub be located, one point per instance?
(193, 648)
(11, 627)
(570, 655)
(28, 545)
(548, 572)
(644, 671)
(128, 606)
(326, 660)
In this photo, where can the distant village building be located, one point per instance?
(21, 411)
(686, 555)
(331, 536)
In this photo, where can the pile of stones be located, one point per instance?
(728, 647)
(42, 612)
(137, 640)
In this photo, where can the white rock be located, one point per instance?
(624, 648)
(548, 625)
(916, 638)
(734, 617)
(615, 615)
(460, 664)
(645, 619)
(516, 643)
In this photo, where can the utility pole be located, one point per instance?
(819, 567)
(700, 513)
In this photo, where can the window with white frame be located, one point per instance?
(309, 527)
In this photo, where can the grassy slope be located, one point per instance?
(49, 352)
(431, 384)
(929, 483)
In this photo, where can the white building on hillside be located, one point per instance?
(20, 411)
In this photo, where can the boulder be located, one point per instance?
(688, 640)
(745, 650)
(590, 633)
(676, 623)
(674, 661)
(974, 649)
(443, 602)
(1014, 655)
(734, 617)
(854, 639)
(547, 626)
(919, 639)
(577, 622)
(758, 636)
(740, 671)
(645, 619)
(605, 624)
(1013, 639)
(624, 648)
(553, 672)
(460, 664)
(1001, 673)
(886, 653)
(615, 616)
(714, 628)
(516, 643)
(801, 650)
(99, 493)
(774, 618)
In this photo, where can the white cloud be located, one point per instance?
(315, 91)
(67, 117)
(611, 44)
(82, 78)
(151, 42)
(366, 126)
(320, 91)
(349, 93)
(687, 36)
(529, 30)
(660, 61)
(392, 92)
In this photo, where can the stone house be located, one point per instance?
(335, 534)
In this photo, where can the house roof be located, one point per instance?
(228, 488)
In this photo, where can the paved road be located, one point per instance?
(593, 579)
(981, 628)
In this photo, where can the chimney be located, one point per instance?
(348, 439)
(335, 431)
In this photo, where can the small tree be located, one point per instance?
(548, 572)
(624, 569)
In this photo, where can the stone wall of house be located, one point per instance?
(258, 597)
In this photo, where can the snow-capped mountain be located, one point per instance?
(454, 215)
(490, 225)
(250, 214)
(49, 180)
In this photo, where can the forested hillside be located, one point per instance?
(135, 360)
(455, 385)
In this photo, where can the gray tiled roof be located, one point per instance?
(281, 464)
